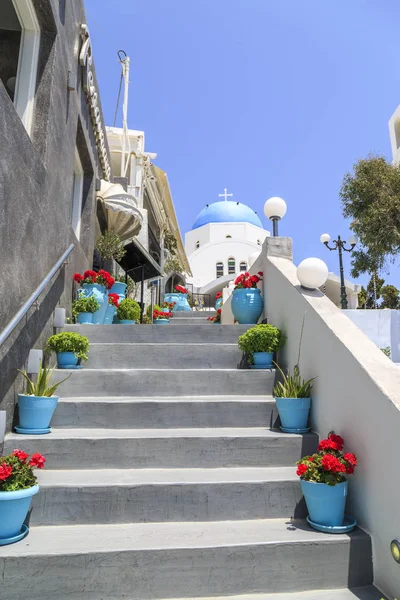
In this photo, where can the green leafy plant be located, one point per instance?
(68, 341)
(16, 470)
(387, 351)
(85, 304)
(43, 386)
(261, 338)
(110, 246)
(128, 310)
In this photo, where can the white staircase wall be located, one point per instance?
(356, 394)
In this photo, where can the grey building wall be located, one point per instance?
(36, 179)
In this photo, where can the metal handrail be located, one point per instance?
(9, 328)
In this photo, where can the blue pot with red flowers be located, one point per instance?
(218, 300)
(17, 487)
(324, 485)
(96, 284)
(247, 303)
(180, 298)
(111, 312)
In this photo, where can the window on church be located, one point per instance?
(231, 266)
(228, 236)
(197, 245)
(19, 49)
(259, 242)
(220, 269)
(243, 265)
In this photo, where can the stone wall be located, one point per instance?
(36, 179)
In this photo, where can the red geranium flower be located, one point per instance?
(331, 463)
(351, 458)
(21, 455)
(37, 460)
(5, 472)
(302, 469)
(334, 442)
(218, 295)
(247, 281)
(78, 278)
(113, 299)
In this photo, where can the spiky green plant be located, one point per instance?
(43, 385)
(292, 385)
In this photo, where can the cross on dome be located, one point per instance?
(225, 194)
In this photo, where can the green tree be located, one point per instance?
(370, 197)
(170, 243)
(173, 265)
(368, 298)
(390, 296)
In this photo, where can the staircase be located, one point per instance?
(166, 479)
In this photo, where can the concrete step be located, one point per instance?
(191, 320)
(194, 314)
(183, 411)
(165, 448)
(166, 382)
(155, 495)
(364, 593)
(165, 334)
(176, 356)
(172, 560)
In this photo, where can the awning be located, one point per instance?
(137, 262)
(123, 216)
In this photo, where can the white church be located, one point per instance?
(223, 238)
(226, 238)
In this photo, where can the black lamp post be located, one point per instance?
(340, 246)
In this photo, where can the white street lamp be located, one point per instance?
(275, 210)
(312, 273)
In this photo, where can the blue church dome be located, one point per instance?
(227, 212)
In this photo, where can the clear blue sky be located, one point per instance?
(265, 97)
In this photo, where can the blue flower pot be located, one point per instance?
(35, 412)
(181, 301)
(161, 321)
(218, 303)
(247, 305)
(127, 322)
(293, 412)
(111, 311)
(263, 359)
(14, 507)
(85, 318)
(100, 293)
(325, 503)
(119, 288)
(66, 359)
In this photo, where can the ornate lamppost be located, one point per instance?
(340, 246)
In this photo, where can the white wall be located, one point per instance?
(381, 326)
(357, 394)
(394, 131)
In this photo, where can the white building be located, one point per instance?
(223, 237)
(394, 130)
